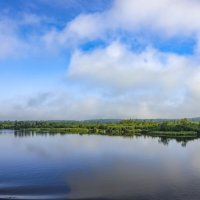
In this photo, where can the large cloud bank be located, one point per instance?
(116, 80)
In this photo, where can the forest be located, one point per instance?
(177, 128)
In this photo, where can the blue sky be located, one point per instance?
(82, 59)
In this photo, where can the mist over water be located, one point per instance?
(55, 166)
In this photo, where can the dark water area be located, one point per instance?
(55, 166)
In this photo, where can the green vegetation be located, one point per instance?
(167, 128)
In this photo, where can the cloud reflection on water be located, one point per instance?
(101, 166)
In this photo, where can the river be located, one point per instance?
(70, 166)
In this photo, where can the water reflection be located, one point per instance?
(183, 140)
(161, 139)
(34, 166)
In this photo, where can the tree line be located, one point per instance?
(123, 127)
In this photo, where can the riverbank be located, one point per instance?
(173, 128)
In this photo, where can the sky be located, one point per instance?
(100, 59)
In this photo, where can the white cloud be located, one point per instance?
(114, 82)
(146, 84)
(85, 26)
(165, 17)
(82, 29)
(119, 67)
(22, 35)
(171, 16)
(11, 44)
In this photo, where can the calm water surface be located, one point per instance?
(97, 167)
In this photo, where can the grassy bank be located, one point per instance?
(173, 133)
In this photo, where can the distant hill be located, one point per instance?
(150, 120)
(103, 120)
(197, 119)
(162, 120)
